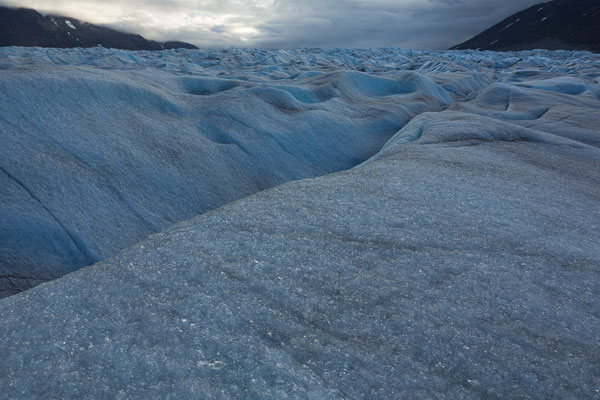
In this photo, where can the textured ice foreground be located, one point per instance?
(460, 261)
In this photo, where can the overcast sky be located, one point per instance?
(436, 24)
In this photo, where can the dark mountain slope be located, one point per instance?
(26, 27)
(558, 24)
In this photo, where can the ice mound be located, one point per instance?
(460, 129)
(563, 84)
(570, 116)
(357, 84)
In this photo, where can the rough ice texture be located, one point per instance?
(460, 261)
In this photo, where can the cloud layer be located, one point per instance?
(435, 24)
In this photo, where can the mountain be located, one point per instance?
(558, 24)
(27, 27)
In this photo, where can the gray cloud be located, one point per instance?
(436, 24)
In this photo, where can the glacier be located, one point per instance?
(97, 155)
(338, 223)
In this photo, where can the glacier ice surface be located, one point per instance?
(436, 237)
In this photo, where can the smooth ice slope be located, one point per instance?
(462, 261)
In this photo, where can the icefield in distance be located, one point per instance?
(437, 236)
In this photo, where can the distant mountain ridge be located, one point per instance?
(558, 24)
(27, 27)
